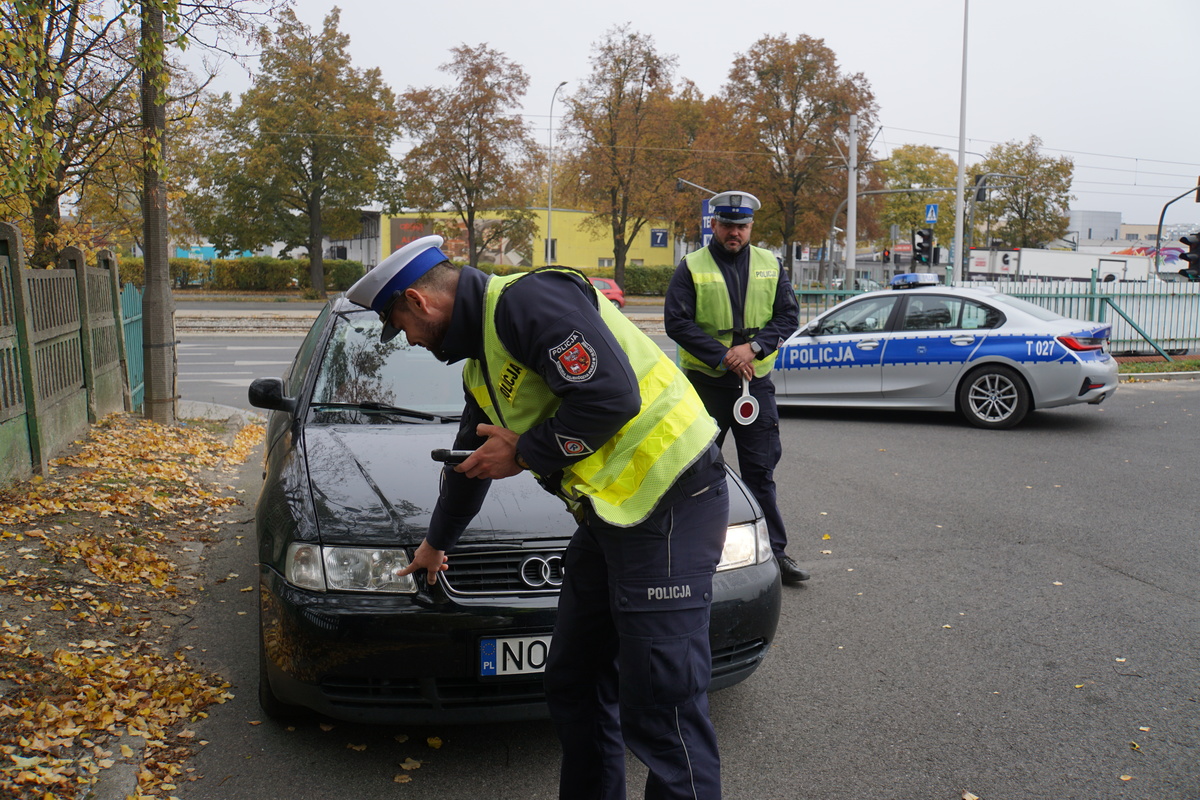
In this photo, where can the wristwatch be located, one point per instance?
(757, 348)
(520, 461)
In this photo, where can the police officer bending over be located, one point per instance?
(729, 307)
(560, 383)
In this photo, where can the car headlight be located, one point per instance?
(746, 544)
(348, 569)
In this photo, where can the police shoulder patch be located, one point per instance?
(574, 358)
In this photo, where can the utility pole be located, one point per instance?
(959, 252)
(852, 206)
(158, 304)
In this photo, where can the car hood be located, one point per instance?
(375, 484)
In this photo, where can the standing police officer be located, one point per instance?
(560, 383)
(729, 307)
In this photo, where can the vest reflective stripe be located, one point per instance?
(626, 476)
(714, 309)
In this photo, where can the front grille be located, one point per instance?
(432, 693)
(504, 572)
(738, 657)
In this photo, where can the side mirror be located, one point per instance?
(811, 328)
(268, 393)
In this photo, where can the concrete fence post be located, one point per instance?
(10, 236)
(72, 258)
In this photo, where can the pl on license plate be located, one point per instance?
(513, 655)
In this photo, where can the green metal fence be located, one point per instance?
(131, 314)
(1147, 317)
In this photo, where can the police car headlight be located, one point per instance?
(348, 569)
(745, 545)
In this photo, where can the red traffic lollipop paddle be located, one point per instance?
(745, 409)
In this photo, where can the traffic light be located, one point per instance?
(1191, 257)
(922, 247)
(980, 188)
(887, 256)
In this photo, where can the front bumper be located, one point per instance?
(392, 659)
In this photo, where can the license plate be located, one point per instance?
(513, 655)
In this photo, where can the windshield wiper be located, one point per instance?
(380, 408)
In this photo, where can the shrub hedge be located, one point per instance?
(184, 271)
(639, 279)
(253, 274)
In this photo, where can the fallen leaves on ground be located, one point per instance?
(90, 587)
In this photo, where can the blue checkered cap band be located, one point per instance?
(407, 276)
(734, 206)
(396, 273)
(739, 211)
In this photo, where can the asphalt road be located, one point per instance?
(218, 368)
(1013, 614)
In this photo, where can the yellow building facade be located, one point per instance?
(575, 244)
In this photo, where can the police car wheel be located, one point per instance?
(993, 397)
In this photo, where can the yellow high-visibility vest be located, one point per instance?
(714, 309)
(625, 477)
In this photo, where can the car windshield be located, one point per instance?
(358, 371)
(1024, 305)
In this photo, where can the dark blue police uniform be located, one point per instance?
(758, 446)
(630, 659)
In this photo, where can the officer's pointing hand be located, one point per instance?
(429, 559)
(495, 458)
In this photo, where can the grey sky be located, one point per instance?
(1109, 83)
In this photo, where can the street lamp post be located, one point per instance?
(550, 181)
(956, 266)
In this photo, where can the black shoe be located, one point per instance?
(790, 571)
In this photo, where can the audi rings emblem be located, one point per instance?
(539, 572)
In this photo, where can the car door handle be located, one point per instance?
(867, 344)
(962, 339)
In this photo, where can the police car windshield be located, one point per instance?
(1024, 305)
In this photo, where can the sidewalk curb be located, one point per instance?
(1147, 377)
(194, 409)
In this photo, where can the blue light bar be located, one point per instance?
(911, 280)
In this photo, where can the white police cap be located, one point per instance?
(734, 207)
(395, 274)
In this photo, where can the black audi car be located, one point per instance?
(348, 490)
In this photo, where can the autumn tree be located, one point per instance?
(1030, 206)
(473, 153)
(918, 167)
(109, 196)
(303, 150)
(68, 73)
(69, 101)
(627, 139)
(70, 69)
(780, 130)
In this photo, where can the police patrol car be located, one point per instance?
(918, 345)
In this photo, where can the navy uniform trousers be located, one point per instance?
(630, 661)
(758, 447)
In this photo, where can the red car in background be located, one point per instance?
(608, 287)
